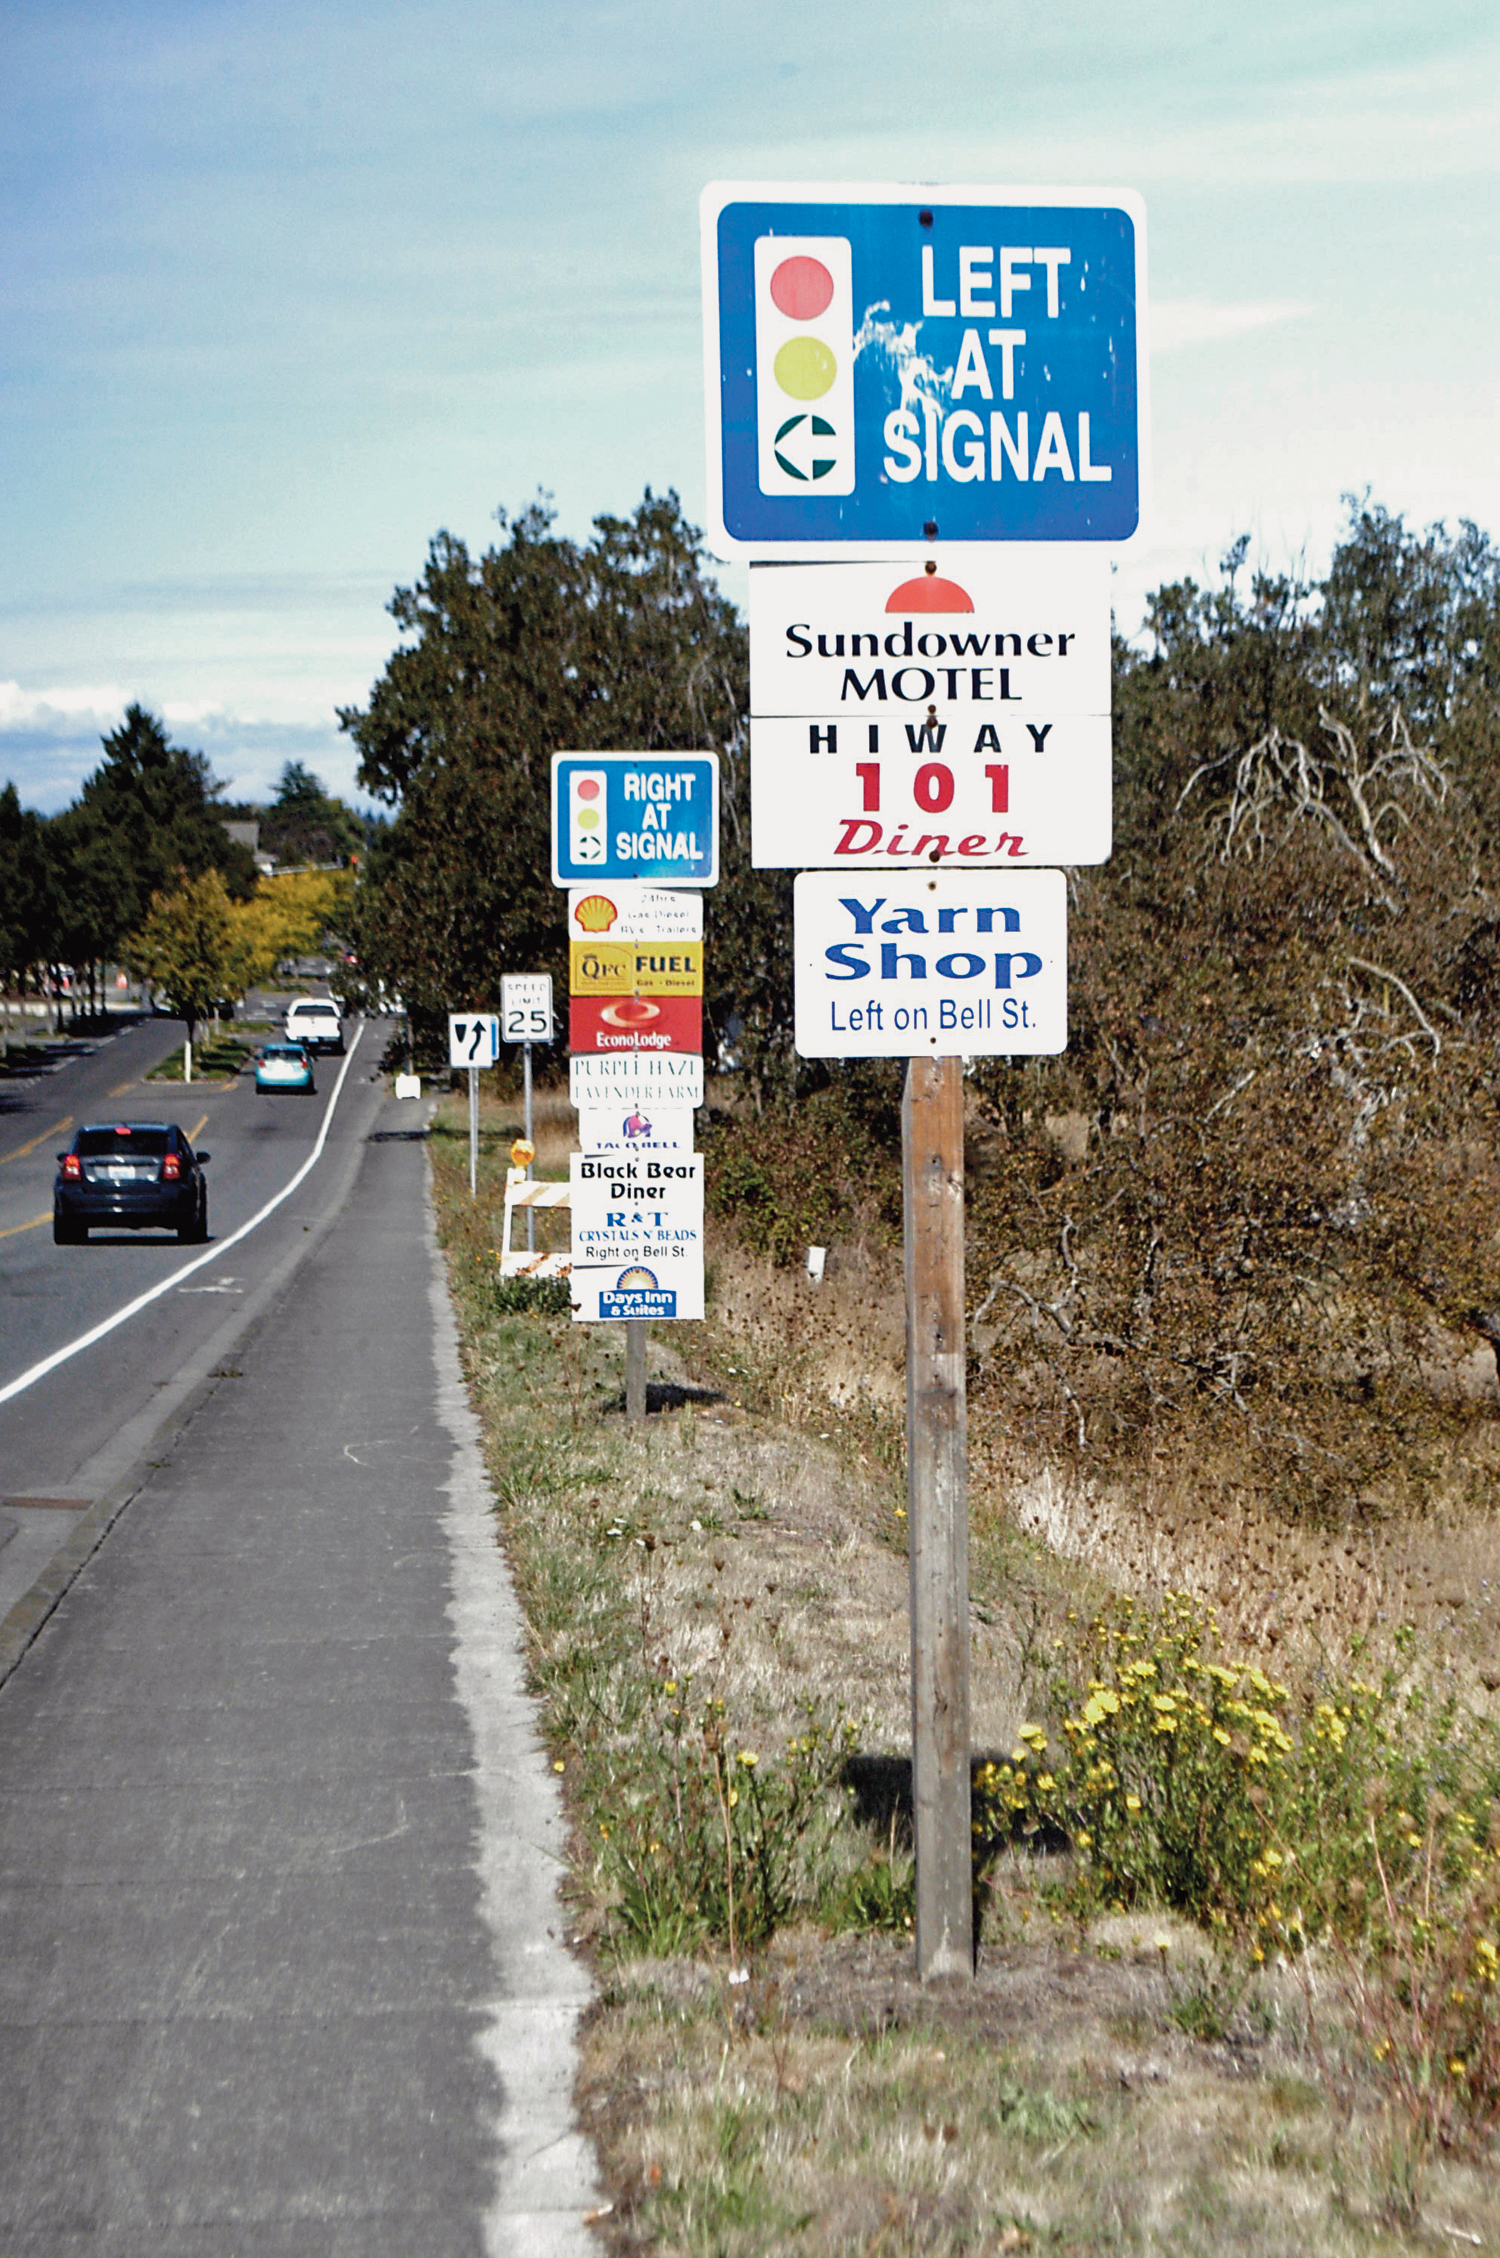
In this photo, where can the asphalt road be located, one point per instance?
(279, 1964)
(70, 1435)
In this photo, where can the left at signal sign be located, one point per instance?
(804, 359)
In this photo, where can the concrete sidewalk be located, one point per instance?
(279, 1969)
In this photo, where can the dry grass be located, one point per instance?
(840, 2110)
(1315, 1594)
(830, 2106)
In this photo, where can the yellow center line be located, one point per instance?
(31, 1226)
(121, 1089)
(197, 1130)
(40, 1139)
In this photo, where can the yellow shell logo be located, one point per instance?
(596, 913)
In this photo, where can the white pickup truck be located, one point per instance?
(314, 1021)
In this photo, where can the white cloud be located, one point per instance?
(1179, 322)
(50, 741)
(60, 713)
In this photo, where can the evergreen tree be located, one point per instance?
(306, 823)
(154, 802)
(545, 645)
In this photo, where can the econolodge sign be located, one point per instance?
(897, 363)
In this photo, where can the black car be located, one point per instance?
(128, 1175)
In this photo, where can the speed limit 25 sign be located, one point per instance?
(526, 1008)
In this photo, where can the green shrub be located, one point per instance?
(1363, 1818)
(1184, 1779)
(706, 1838)
(531, 1297)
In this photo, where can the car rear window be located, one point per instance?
(284, 1050)
(128, 1143)
(313, 1011)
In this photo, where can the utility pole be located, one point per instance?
(932, 1145)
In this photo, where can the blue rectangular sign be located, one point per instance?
(899, 364)
(651, 816)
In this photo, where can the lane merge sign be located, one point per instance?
(473, 1038)
(891, 964)
(887, 359)
(635, 816)
(526, 1007)
(951, 711)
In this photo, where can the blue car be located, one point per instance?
(284, 1066)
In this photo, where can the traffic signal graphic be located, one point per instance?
(804, 364)
(587, 815)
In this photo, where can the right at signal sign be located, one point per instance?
(948, 712)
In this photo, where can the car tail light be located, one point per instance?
(72, 1167)
(171, 1169)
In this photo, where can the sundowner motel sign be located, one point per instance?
(894, 364)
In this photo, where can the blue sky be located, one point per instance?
(288, 287)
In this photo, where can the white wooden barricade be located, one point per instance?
(521, 1193)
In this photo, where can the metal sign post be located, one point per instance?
(526, 1113)
(526, 1018)
(473, 1042)
(635, 1367)
(937, 1488)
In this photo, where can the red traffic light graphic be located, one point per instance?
(804, 345)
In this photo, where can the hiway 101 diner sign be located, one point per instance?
(954, 711)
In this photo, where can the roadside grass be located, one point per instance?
(716, 1613)
(219, 1058)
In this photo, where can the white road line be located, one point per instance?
(215, 1253)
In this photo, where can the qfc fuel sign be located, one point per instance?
(652, 816)
(894, 364)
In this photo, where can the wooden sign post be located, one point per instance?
(635, 1368)
(937, 1488)
(999, 989)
